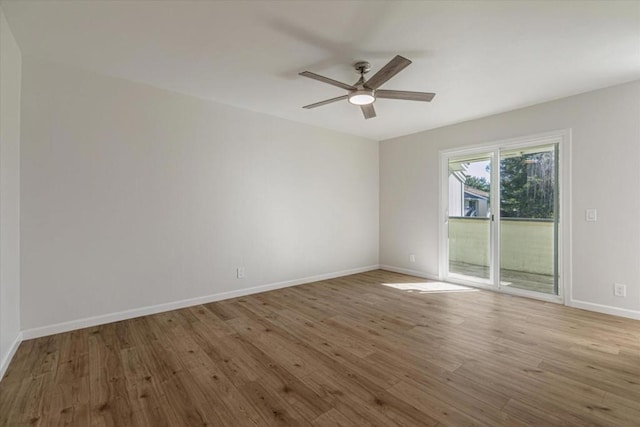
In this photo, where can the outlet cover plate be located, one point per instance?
(619, 290)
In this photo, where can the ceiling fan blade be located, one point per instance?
(392, 68)
(327, 80)
(405, 94)
(368, 111)
(326, 101)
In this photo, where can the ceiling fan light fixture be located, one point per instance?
(361, 97)
(364, 93)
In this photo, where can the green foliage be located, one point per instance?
(527, 186)
(479, 183)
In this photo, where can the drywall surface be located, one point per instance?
(134, 196)
(605, 126)
(10, 71)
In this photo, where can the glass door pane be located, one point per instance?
(469, 217)
(529, 219)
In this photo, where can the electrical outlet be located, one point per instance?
(412, 257)
(619, 290)
(240, 272)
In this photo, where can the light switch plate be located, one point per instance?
(591, 215)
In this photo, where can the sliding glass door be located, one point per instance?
(529, 219)
(501, 218)
(469, 217)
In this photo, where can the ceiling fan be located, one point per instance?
(365, 92)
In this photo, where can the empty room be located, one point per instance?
(319, 212)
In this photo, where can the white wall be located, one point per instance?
(134, 196)
(10, 72)
(605, 175)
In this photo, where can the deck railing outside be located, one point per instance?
(526, 250)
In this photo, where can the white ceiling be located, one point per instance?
(479, 57)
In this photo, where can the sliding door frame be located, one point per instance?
(563, 233)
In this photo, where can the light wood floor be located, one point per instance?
(344, 352)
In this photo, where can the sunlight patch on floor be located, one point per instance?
(429, 287)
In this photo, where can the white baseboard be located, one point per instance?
(4, 364)
(606, 309)
(159, 308)
(600, 308)
(410, 272)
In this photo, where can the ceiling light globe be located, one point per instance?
(361, 97)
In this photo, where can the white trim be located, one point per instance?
(495, 223)
(460, 280)
(4, 364)
(557, 299)
(443, 218)
(159, 308)
(584, 305)
(606, 309)
(563, 138)
(410, 272)
(565, 242)
(521, 141)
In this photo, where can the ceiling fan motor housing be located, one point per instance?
(362, 67)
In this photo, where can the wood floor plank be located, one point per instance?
(531, 414)
(109, 396)
(365, 403)
(146, 399)
(370, 349)
(285, 384)
(424, 371)
(68, 402)
(27, 410)
(273, 410)
(333, 418)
